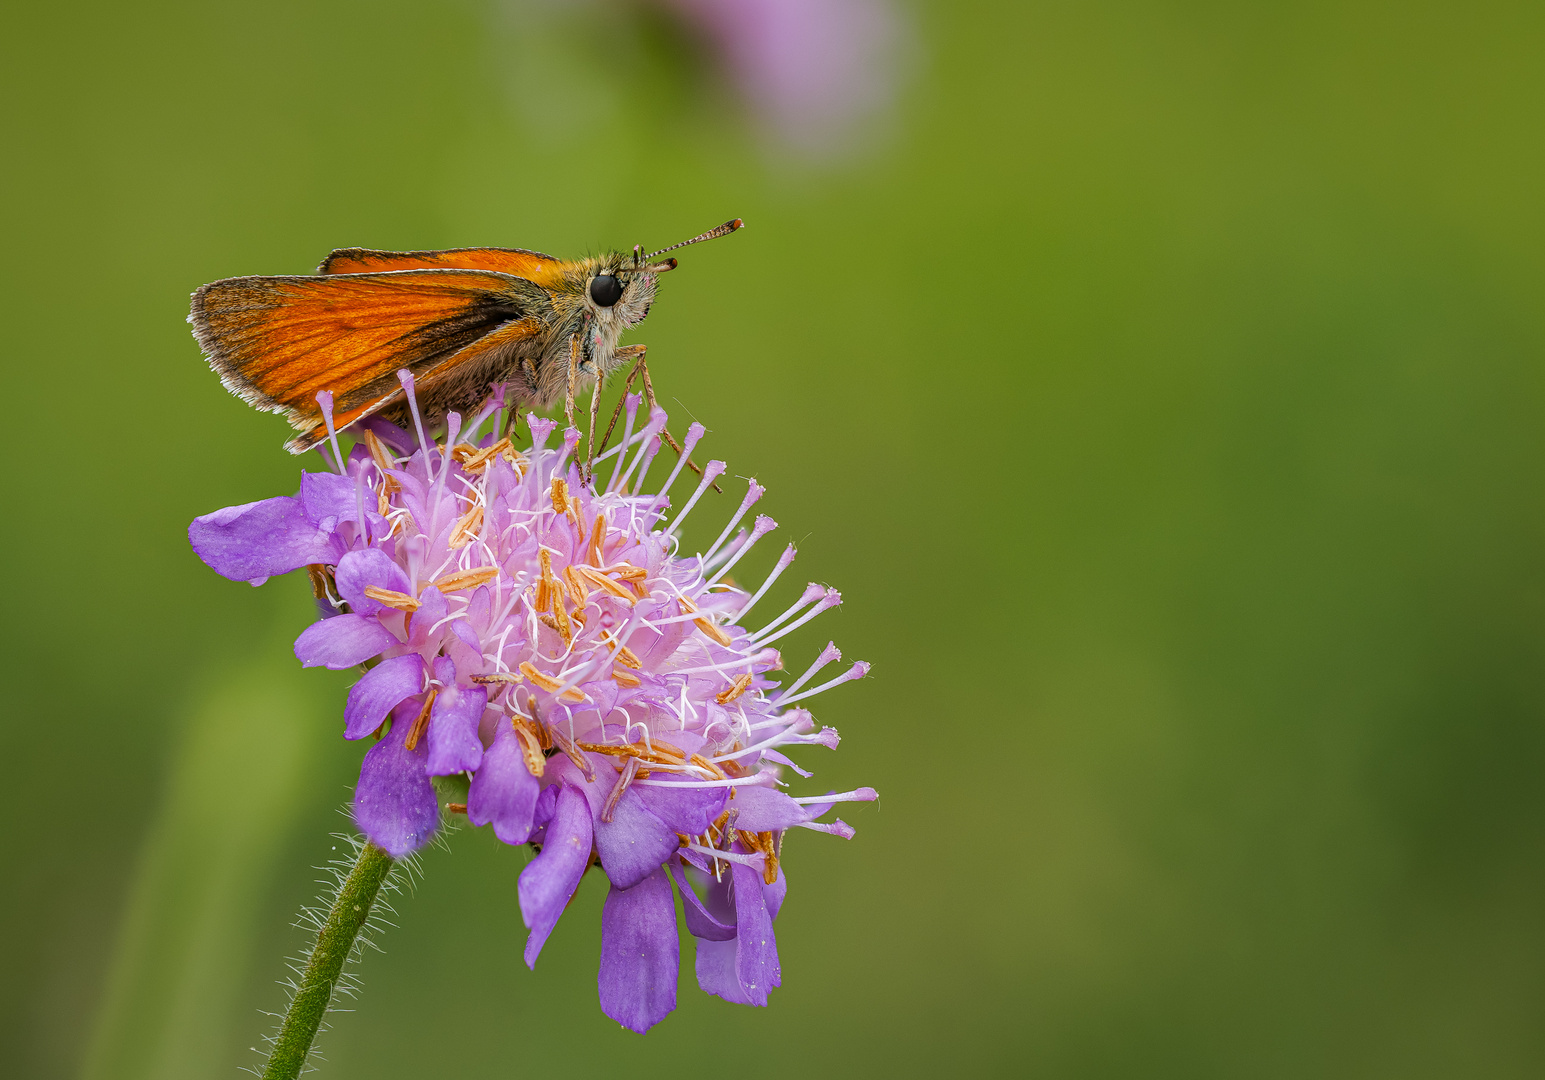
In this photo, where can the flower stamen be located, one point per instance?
(466, 579)
(739, 686)
(421, 724)
(391, 598)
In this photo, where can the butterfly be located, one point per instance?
(459, 320)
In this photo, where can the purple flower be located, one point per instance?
(813, 69)
(547, 641)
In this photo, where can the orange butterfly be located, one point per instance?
(459, 320)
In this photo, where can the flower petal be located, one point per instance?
(258, 540)
(551, 878)
(430, 614)
(394, 804)
(746, 969)
(342, 642)
(365, 567)
(715, 961)
(634, 842)
(377, 694)
(685, 808)
(762, 809)
(503, 790)
(640, 953)
(328, 495)
(756, 948)
(453, 743)
(701, 923)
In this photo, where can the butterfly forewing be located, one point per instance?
(278, 341)
(531, 265)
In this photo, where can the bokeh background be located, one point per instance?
(1160, 381)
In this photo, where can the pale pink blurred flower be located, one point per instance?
(815, 71)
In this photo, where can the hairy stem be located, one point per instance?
(334, 943)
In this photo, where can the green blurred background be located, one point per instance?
(1160, 382)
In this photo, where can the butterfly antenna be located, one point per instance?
(712, 234)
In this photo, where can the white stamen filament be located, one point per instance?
(405, 377)
(630, 406)
(863, 794)
(763, 657)
(783, 738)
(813, 592)
(857, 671)
(763, 526)
(651, 435)
(783, 564)
(761, 780)
(756, 860)
(830, 600)
(753, 493)
(710, 471)
(828, 654)
(694, 436)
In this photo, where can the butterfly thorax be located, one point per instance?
(597, 328)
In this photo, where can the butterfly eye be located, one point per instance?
(605, 290)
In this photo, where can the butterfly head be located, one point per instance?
(618, 288)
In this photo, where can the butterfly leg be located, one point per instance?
(625, 353)
(568, 397)
(669, 438)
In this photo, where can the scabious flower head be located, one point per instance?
(547, 641)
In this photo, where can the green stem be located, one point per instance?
(333, 945)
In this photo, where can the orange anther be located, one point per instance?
(547, 682)
(391, 598)
(735, 689)
(467, 527)
(378, 451)
(420, 725)
(707, 626)
(497, 678)
(530, 749)
(597, 540)
(466, 579)
(600, 580)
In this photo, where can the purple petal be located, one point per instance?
(746, 969)
(464, 647)
(453, 743)
(640, 953)
(701, 923)
(756, 949)
(634, 842)
(546, 805)
(256, 541)
(715, 961)
(762, 809)
(503, 790)
(431, 611)
(369, 566)
(328, 495)
(394, 804)
(378, 693)
(342, 642)
(684, 808)
(551, 878)
(774, 894)
(563, 770)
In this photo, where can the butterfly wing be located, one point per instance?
(517, 262)
(277, 341)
